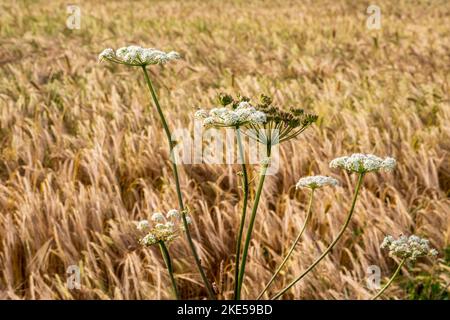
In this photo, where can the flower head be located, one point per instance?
(240, 115)
(158, 217)
(362, 163)
(165, 228)
(142, 225)
(173, 214)
(137, 56)
(280, 125)
(314, 182)
(409, 248)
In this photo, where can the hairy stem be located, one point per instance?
(390, 280)
(244, 211)
(250, 226)
(308, 217)
(331, 246)
(168, 261)
(177, 184)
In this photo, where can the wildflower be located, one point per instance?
(408, 248)
(160, 233)
(314, 182)
(362, 163)
(170, 225)
(158, 217)
(165, 228)
(142, 225)
(137, 56)
(173, 214)
(279, 125)
(242, 115)
(149, 240)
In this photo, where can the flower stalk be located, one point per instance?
(331, 246)
(177, 184)
(259, 189)
(390, 280)
(168, 261)
(291, 250)
(245, 188)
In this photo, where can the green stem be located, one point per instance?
(308, 217)
(390, 280)
(331, 246)
(177, 184)
(244, 211)
(168, 261)
(250, 226)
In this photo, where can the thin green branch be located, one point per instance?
(390, 280)
(177, 184)
(331, 246)
(245, 187)
(308, 217)
(168, 261)
(251, 224)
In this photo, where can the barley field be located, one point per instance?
(82, 157)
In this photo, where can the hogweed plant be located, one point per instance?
(136, 56)
(312, 183)
(268, 125)
(239, 114)
(407, 249)
(164, 230)
(280, 126)
(356, 163)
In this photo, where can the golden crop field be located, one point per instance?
(83, 154)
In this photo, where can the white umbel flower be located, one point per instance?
(244, 114)
(137, 56)
(149, 240)
(162, 228)
(409, 248)
(142, 225)
(314, 182)
(173, 214)
(362, 163)
(158, 217)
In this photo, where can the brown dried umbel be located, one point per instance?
(279, 125)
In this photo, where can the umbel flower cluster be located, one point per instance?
(264, 122)
(314, 182)
(281, 125)
(409, 248)
(362, 163)
(268, 124)
(164, 228)
(239, 115)
(137, 56)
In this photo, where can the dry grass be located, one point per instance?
(80, 158)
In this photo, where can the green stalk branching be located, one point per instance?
(291, 250)
(331, 246)
(177, 184)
